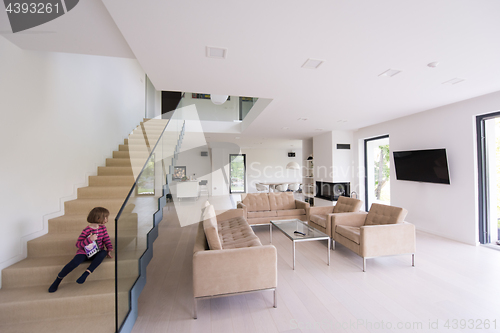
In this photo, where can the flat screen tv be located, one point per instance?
(428, 166)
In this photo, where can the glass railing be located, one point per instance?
(234, 109)
(174, 160)
(151, 158)
(192, 175)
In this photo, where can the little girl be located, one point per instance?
(95, 231)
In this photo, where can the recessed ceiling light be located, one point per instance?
(454, 81)
(390, 72)
(433, 64)
(312, 63)
(216, 52)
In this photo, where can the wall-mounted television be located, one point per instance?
(429, 166)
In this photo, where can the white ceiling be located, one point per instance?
(269, 41)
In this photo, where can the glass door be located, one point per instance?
(377, 171)
(237, 174)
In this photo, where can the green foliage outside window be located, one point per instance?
(382, 170)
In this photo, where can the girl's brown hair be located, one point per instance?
(97, 215)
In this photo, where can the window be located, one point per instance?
(237, 173)
(377, 171)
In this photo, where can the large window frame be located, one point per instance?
(366, 164)
(244, 173)
(482, 168)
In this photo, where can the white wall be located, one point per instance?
(323, 157)
(153, 100)
(343, 166)
(332, 164)
(268, 165)
(61, 116)
(447, 210)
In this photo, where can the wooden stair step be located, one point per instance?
(36, 303)
(134, 155)
(103, 192)
(43, 270)
(111, 180)
(76, 223)
(118, 170)
(61, 243)
(84, 206)
(100, 324)
(142, 141)
(125, 162)
(136, 148)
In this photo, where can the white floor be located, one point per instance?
(454, 287)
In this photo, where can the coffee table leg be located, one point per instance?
(328, 249)
(293, 242)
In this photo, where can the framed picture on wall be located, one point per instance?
(179, 172)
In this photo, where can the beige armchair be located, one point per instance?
(320, 218)
(380, 232)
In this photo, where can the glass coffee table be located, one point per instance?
(304, 233)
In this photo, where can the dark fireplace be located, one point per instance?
(332, 191)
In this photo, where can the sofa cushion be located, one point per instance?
(319, 220)
(256, 202)
(291, 212)
(211, 229)
(351, 233)
(236, 233)
(383, 214)
(280, 201)
(268, 213)
(347, 205)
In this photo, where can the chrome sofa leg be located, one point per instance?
(364, 264)
(413, 259)
(195, 309)
(275, 298)
(333, 244)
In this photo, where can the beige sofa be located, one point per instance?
(228, 258)
(320, 217)
(380, 232)
(261, 208)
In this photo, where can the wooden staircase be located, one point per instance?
(25, 303)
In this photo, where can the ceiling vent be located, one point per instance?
(312, 63)
(216, 52)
